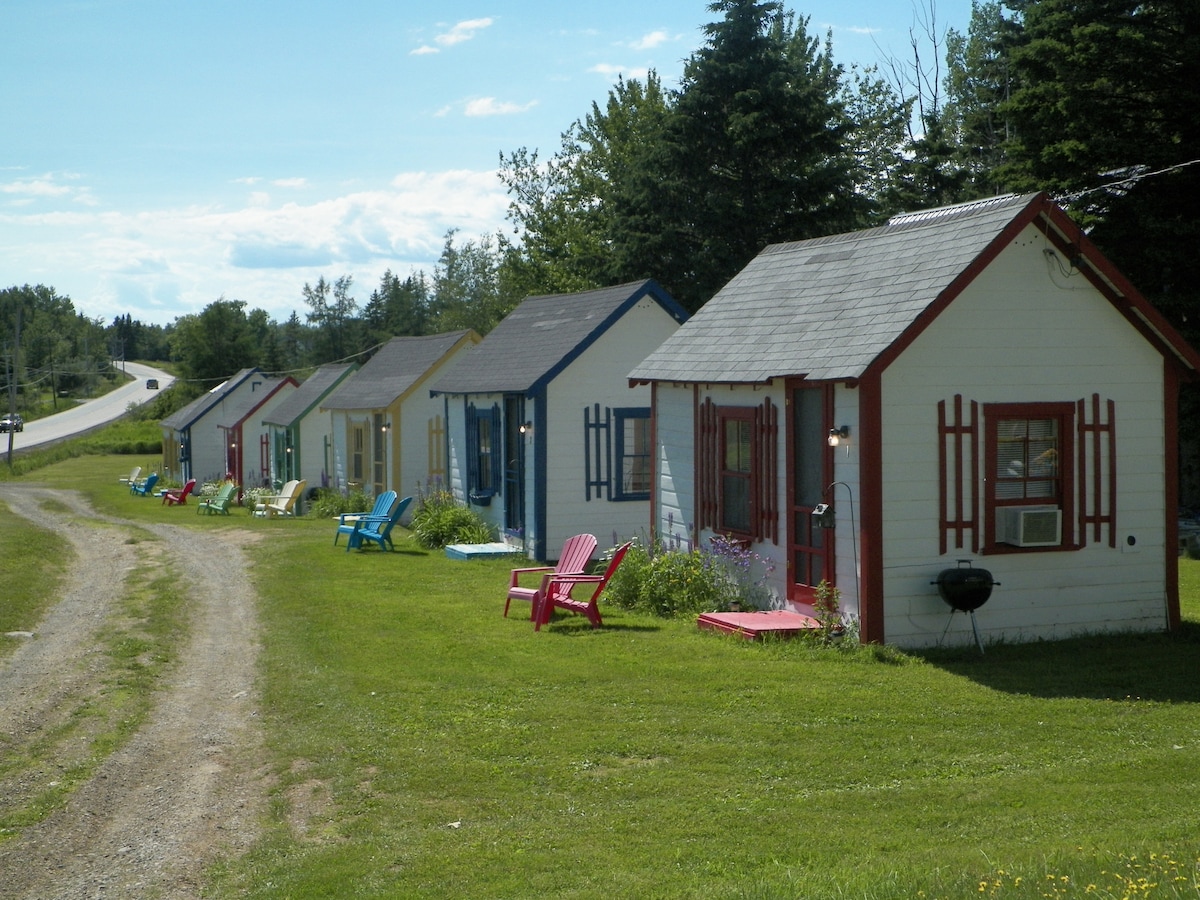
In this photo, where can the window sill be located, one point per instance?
(1003, 549)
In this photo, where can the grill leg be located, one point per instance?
(975, 628)
(949, 622)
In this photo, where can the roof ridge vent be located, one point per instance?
(957, 209)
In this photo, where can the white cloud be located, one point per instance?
(27, 192)
(463, 31)
(290, 182)
(160, 264)
(651, 40)
(43, 186)
(490, 106)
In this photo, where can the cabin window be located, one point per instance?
(483, 453)
(1028, 475)
(483, 456)
(737, 459)
(358, 454)
(616, 452)
(633, 453)
(736, 510)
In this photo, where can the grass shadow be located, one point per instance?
(572, 629)
(1160, 667)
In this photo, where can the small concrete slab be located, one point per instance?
(479, 551)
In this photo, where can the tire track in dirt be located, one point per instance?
(188, 787)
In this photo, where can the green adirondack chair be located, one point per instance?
(219, 502)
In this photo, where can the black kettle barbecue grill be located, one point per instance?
(965, 589)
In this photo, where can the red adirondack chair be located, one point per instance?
(170, 498)
(556, 593)
(576, 554)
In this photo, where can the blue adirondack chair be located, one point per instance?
(377, 531)
(144, 487)
(381, 510)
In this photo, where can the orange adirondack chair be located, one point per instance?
(555, 593)
(576, 553)
(170, 498)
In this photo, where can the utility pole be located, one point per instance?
(12, 385)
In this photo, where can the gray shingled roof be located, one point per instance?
(826, 308)
(310, 392)
(239, 406)
(184, 417)
(538, 338)
(397, 366)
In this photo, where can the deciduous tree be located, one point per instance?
(215, 343)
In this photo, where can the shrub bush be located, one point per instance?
(328, 503)
(680, 582)
(665, 583)
(440, 520)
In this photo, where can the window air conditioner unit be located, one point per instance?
(1029, 526)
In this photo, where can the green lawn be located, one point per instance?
(425, 746)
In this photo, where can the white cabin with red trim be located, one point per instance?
(999, 393)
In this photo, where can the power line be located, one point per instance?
(1123, 184)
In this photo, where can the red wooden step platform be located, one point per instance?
(752, 625)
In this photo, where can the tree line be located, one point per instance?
(766, 139)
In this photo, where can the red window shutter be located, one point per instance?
(766, 471)
(958, 476)
(1097, 470)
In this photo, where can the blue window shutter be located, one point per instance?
(597, 453)
(497, 447)
(472, 419)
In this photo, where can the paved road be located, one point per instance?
(88, 414)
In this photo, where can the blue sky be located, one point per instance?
(159, 155)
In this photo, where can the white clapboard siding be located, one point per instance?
(1024, 331)
(675, 461)
(598, 375)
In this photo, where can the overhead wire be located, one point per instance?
(1123, 183)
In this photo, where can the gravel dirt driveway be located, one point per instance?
(189, 786)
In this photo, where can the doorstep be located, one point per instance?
(752, 625)
(478, 551)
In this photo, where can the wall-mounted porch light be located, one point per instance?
(526, 427)
(837, 435)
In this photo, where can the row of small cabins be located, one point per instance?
(974, 382)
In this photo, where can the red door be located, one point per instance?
(810, 471)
